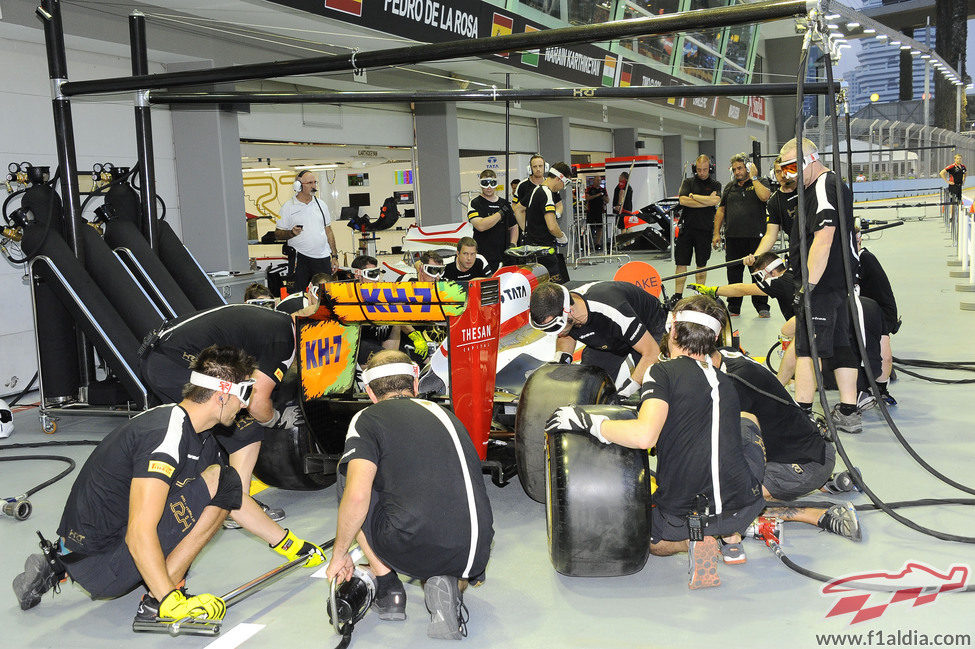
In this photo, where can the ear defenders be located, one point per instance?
(711, 168)
(296, 185)
(547, 167)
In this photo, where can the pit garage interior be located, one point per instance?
(427, 154)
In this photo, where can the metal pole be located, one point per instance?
(758, 12)
(485, 95)
(507, 140)
(143, 129)
(57, 65)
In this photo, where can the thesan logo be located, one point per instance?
(867, 595)
(475, 334)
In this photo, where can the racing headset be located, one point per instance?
(529, 167)
(296, 185)
(711, 167)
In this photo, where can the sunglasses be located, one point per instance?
(433, 270)
(790, 168)
(371, 274)
(242, 390)
(561, 321)
(489, 182)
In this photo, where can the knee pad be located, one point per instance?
(845, 357)
(230, 491)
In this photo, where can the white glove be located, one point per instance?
(572, 419)
(563, 240)
(629, 389)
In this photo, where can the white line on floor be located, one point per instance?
(235, 637)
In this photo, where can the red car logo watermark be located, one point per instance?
(916, 582)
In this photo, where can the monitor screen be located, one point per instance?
(349, 213)
(404, 198)
(359, 200)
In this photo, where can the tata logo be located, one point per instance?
(396, 300)
(492, 162)
(513, 293)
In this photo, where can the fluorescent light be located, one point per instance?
(831, 16)
(882, 37)
(869, 30)
(914, 52)
(317, 167)
(926, 57)
(260, 170)
(833, 26)
(852, 25)
(895, 42)
(905, 47)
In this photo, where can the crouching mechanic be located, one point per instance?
(688, 412)
(615, 320)
(268, 336)
(150, 497)
(798, 459)
(412, 494)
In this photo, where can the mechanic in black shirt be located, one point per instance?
(596, 199)
(875, 284)
(797, 458)
(268, 336)
(411, 493)
(495, 228)
(537, 168)
(826, 284)
(743, 207)
(622, 198)
(149, 498)
(781, 209)
(954, 175)
(373, 338)
(467, 265)
(542, 207)
(688, 411)
(614, 320)
(699, 197)
(771, 277)
(300, 301)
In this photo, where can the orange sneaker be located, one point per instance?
(703, 559)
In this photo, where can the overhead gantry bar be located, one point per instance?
(758, 12)
(486, 94)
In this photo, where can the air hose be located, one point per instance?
(19, 507)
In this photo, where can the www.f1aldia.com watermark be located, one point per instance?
(867, 595)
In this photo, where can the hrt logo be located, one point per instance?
(916, 582)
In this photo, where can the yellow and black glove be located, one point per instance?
(419, 344)
(291, 547)
(176, 605)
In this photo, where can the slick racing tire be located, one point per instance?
(549, 387)
(597, 503)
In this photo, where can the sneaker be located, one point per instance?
(703, 558)
(841, 519)
(865, 401)
(448, 615)
(764, 313)
(391, 605)
(148, 610)
(274, 513)
(852, 424)
(733, 553)
(842, 482)
(37, 578)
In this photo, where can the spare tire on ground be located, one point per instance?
(597, 503)
(549, 387)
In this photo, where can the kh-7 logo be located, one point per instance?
(396, 300)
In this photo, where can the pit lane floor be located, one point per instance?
(525, 603)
